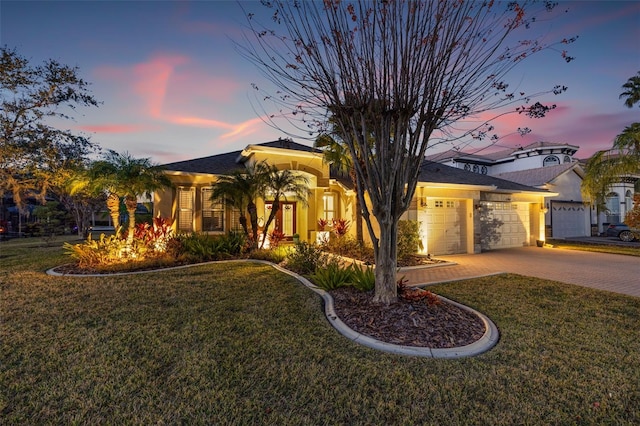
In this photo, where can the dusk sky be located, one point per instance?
(173, 86)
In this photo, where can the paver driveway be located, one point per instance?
(604, 271)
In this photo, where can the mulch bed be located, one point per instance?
(409, 323)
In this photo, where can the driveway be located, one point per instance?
(604, 271)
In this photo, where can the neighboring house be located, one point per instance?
(459, 211)
(543, 165)
(567, 215)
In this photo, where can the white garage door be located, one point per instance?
(569, 220)
(446, 226)
(505, 225)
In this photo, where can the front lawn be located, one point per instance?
(245, 344)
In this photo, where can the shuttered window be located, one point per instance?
(186, 199)
(212, 212)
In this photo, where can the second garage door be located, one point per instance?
(505, 225)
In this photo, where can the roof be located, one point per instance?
(227, 163)
(220, 164)
(434, 172)
(541, 175)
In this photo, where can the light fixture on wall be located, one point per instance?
(423, 202)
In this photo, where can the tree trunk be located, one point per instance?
(243, 223)
(113, 205)
(253, 217)
(358, 207)
(386, 255)
(131, 203)
(275, 206)
(359, 234)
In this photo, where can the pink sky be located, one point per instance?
(173, 87)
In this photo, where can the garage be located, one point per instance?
(569, 219)
(446, 226)
(504, 225)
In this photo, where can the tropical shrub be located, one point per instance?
(276, 255)
(306, 258)
(332, 276)
(349, 247)
(633, 216)
(107, 250)
(340, 227)
(363, 279)
(156, 235)
(233, 243)
(409, 242)
(275, 237)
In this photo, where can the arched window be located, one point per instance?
(613, 207)
(550, 160)
(567, 159)
(628, 202)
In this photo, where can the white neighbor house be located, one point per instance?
(550, 166)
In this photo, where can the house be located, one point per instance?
(459, 211)
(543, 165)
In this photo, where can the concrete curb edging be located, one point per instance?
(488, 340)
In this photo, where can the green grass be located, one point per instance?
(245, 344)
(602, 248)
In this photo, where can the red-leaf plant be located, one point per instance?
(275, 237)
(415, 294)
(340, 226)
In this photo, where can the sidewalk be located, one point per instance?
(603, 271)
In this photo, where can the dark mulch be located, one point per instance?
(409, 323)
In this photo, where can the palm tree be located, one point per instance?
(337, 155)
(276, 187)
(121, 176)
(631, 91)
(240, 190)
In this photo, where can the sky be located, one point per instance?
(173, 86)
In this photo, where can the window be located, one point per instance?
(212, 212)
(439, 203)
(234, 220)
(567, 159)
(550, 160)
(613, 207)
(467, 167)
(329, 206)
(628, 202)
(185, 208)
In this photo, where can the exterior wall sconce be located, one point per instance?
(423, 202)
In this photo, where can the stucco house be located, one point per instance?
(543, 165)
(459, 211)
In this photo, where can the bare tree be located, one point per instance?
(400, 71)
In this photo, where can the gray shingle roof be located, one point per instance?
(439, 173)
(223, 164)
(220, 164)
(538, 176)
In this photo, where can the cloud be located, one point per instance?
(151, 80)
(112, 128)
